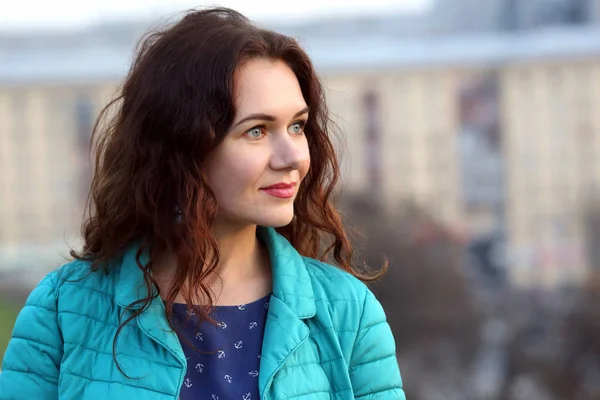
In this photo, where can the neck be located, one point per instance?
(240, 252)
(243, 273)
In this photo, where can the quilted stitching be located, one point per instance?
(62, 342)
(30, 365)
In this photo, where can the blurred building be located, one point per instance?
(52, 87)
(44, 167)
(397, 152)
(484, 16)
(495, 134)
(456, 18)
(552, 130)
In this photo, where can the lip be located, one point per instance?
(282, 190)
(280, 185)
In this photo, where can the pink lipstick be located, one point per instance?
(281, 190)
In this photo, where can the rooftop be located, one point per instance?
(69, 57)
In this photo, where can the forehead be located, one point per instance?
(267, 86)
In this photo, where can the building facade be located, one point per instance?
(45, 168)
(552, 131)
(398, 135)
(489, 134)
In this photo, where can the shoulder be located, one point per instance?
(347, 305)
(328, 278)
(64, 289)
(77, 279)
(333, 286)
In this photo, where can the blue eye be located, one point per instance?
(255, 133)
(297, 128)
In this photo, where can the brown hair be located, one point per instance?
(175, 107)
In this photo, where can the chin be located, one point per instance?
(276, 220)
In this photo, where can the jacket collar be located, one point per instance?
(291, 281)
(130, 286)
(292, 301)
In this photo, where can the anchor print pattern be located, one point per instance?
(225, 358)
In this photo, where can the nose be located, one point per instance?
(289, 152)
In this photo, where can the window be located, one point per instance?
(84, 120)
(372, 118)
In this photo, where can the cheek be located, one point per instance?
(305, 163)
(236, 174)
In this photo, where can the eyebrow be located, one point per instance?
(266, 117)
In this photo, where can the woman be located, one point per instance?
(198, 278)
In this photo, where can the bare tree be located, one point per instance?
(426, 295)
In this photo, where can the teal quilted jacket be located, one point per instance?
(326, 337)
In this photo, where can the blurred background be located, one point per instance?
(471, 138)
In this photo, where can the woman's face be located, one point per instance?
(256, 171)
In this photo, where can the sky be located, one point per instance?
(65, 14)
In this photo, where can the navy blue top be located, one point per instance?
(235, 344)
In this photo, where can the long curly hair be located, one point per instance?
(176, 106)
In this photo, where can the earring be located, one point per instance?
(178, 214)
